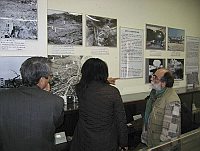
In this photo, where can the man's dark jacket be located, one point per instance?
(28, 119)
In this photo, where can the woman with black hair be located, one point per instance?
(102, 119)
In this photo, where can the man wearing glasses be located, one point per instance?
(30, 114)
(162, 119)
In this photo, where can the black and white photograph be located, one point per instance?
(101, 31)
(18, 19)
(192, 79)
(66, 71)
(151, 66)
(64, 28)
(10, 71)
(176, 39)
(176, 66)
(155, 37)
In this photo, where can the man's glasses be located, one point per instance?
(154, 77)
(50, 79)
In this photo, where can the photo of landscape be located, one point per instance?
(64, 28)
(176, 39)
(101, 31)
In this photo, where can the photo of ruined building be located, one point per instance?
(10, 71)
(18, 19)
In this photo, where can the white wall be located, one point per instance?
(181, 14)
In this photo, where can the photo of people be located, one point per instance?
(151, 66)
(155, 37)
(101, 31)
(176, 38)
(176, 66)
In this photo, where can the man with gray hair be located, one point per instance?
(30, 114)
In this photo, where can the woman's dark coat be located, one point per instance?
(102, 120)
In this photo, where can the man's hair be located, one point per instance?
(168, 78)
(94, 69)
(33, 69)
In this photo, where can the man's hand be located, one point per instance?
(123, 148)
(112, 80)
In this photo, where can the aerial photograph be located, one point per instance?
(66, 71)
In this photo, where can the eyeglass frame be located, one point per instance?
(155, 78)
(50, 79)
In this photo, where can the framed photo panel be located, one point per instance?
(64, 28)
(176, 66)
(10, 71)
(101, 31)
(155, 37)
(152, 64)
(176, 39)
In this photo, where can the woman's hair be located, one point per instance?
(94, 69)
(33, 69)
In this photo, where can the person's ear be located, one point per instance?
(163, 84)
(43, 83)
